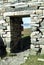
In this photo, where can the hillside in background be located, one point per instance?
(26, 32)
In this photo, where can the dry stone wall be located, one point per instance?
(37, 23)
(5, 31)
(34, 8)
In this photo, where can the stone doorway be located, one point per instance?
(16, 29)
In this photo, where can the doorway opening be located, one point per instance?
(19, 41)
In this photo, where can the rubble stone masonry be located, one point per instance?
(35, 8)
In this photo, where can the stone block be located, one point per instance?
(40, 0)
(42, 4)
(34, 0)
(32, 7)
(42, 8)
(42, 24)
(5, 24)
(8, 34)
(43, 12)
(8, 28)
(39, 12)
(4, 35)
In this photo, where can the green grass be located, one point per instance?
(26, 32)
(33, 60)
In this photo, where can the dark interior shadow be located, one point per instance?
(2, 48)
(23, 44)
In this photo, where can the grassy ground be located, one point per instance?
(32, 60)
(26, 32)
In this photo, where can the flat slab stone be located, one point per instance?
(40, 59)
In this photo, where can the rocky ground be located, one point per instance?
(20, 57)
(15, 60)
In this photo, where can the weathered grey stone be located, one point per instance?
(34, 0)
(43, 12)
(42, 8)
(39, 12)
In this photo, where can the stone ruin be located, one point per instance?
(12, 14)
